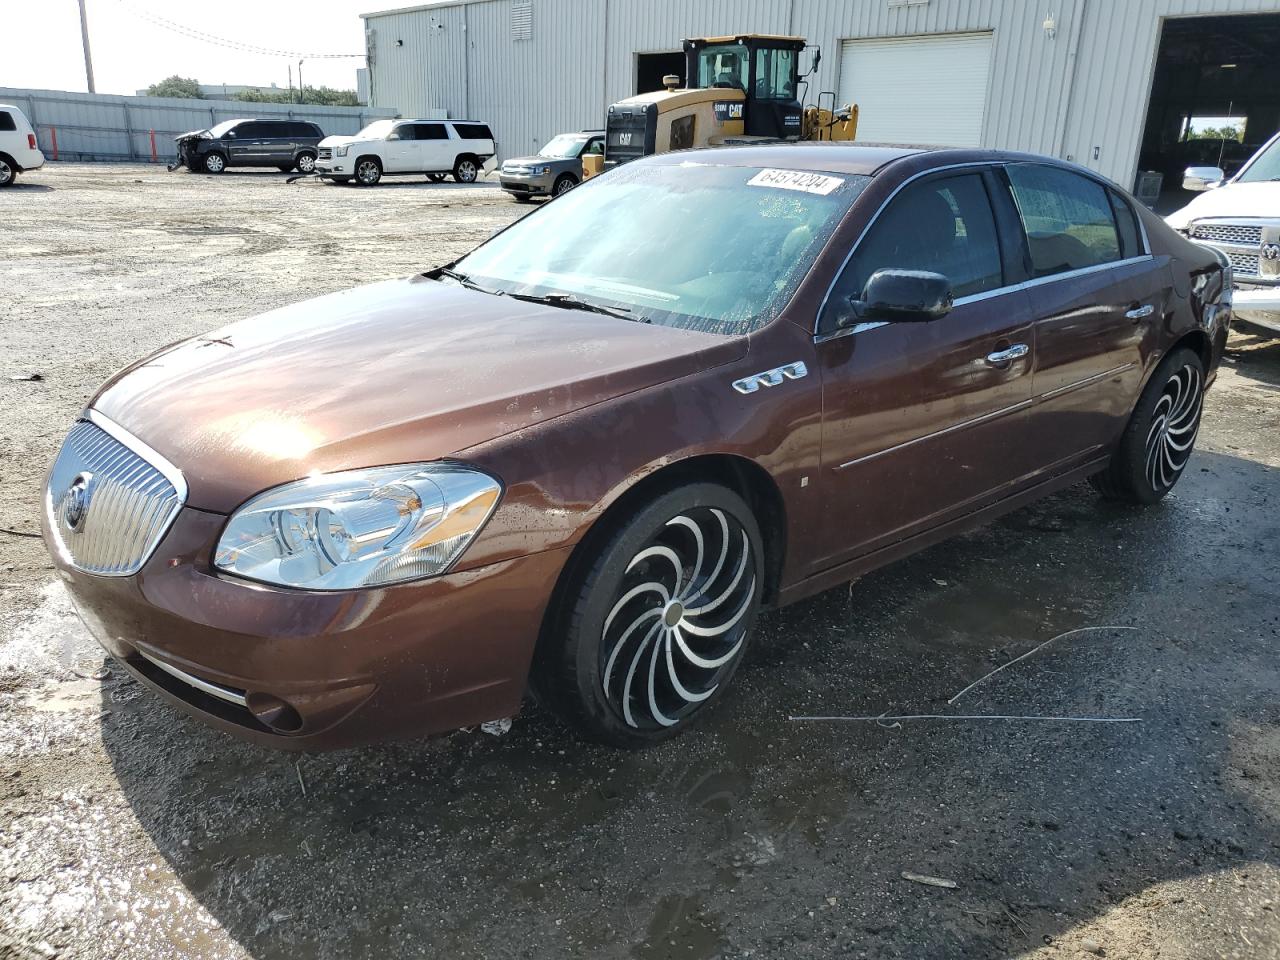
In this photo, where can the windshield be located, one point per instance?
(723, 65)
(564, 147)
(713, 248)
(1265, 166)
(377, 130)
(221, 129)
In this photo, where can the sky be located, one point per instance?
(40, 42)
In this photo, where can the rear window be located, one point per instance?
(6, 121)
(473, 131)
(1068, 218)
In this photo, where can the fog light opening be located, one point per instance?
(274, 713)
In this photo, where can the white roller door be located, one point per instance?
(918, 89)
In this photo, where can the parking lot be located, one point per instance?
(130, 830)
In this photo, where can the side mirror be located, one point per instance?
(1200, 179)
(393, 135)
(902, 296)
(230, 134)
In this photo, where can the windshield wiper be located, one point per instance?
(463, 279)
(568, 301)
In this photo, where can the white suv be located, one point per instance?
(463, 148)
(18, 150)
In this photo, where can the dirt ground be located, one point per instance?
(128, 830)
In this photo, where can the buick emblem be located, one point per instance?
(75, 502)
(1271, 251)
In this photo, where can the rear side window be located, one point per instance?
(473, 131)
(6, 121)
(430, 131)
(1126, 225)
(943, 225)
(1068, 218)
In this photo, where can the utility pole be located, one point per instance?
(84, 38)
(301, 89)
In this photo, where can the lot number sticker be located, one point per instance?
(796, 180)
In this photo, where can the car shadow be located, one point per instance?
(758, 832)
(22, 186)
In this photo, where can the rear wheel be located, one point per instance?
(654, 624)
(465, 170)
(1157, 443)
(8, 172)
(306, 163)
(214, 162)
(368, 171)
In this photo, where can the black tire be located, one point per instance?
(368, 171)
(607, 664)
(564, 183)
(305, 163)
(466, 169)
(8, 172)
(1158, 440)
(214, 162)
(435, 178)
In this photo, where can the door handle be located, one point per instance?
(1006, 356)
(1137, 313)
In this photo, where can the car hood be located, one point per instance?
(536, 159)
(341, 141)
(1250, 200)
(192, 135)
(396, 372)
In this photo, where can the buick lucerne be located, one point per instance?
(580, 459)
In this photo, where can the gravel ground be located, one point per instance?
(128, 830)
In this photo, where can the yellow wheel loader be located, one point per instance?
(738, 90)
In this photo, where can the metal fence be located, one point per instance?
(95, 126)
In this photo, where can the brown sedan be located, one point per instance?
(585, 455)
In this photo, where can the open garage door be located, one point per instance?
(918, 89)
(1215, 97)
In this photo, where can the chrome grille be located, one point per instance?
(1244, 263)
(324, 153)
(107, 505)
(1228, 233)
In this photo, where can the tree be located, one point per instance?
(176, 86)
(325, 96)
(1217, 133)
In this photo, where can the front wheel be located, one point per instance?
(306, 163)
(368, 172)
(654, 621)
(564, 185)
(1161, 433)
(214, 163)
(465, 170)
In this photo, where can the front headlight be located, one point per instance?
(342, 150)
(359, 528)
(545, 170)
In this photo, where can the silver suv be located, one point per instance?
(555, 168)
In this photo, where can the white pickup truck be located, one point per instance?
(1241, 217)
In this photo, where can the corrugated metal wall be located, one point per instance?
(96, 126)
(1082, 85)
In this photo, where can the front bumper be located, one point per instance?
(315, 671)
(526, 185)
(1257, 305)
(337, 166)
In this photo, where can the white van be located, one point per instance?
(18, 150)
(463, 148)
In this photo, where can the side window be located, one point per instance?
(473, 131)
(6, 121)
(942, 225)
(594, 146)
(1067, 217)
(1127, 224)
(431, 131)
(273, 129)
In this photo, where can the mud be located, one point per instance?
(129, 830)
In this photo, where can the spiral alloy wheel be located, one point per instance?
(368, 172)
(680, 620)
(1174, 425)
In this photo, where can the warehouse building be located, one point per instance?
(1112, 84)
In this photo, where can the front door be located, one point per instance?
(1096, 296)
(400, 154)
(924, 422)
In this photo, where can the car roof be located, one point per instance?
(840, 156)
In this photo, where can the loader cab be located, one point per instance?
(766, 69)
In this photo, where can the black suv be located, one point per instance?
(286, 144)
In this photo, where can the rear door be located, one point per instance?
(1097, 296)
(437, 150)
(924, 422)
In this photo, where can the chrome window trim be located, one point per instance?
(985, 294)
(146, 452)
(204, 686)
